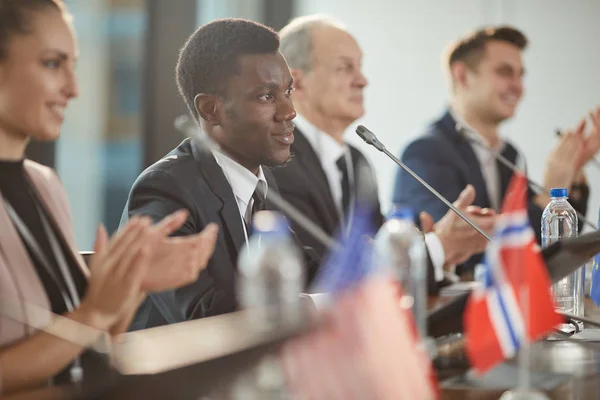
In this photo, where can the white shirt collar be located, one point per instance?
(487, 160)
(473, 134)
(242, 181)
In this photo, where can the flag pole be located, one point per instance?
(524, 351)
(498, 319)
(524, 391)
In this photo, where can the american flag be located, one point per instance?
(365, 349)
(366, 346)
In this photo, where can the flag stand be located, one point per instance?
(524, 390)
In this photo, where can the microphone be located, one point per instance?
(506, 162)
(594, 160)
(370, 138)
(190, 128)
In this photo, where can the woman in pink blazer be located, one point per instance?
(40, 268)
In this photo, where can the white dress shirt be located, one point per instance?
(242, 182)
(487, 161)
(328, 151)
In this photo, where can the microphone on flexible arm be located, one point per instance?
(444, 323)
(506, 162)
(370, 138)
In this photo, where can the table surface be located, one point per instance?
(580, 362)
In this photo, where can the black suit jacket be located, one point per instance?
(443, 158)
(303, 183)
(189, 177)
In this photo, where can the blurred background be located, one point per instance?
(123, 120)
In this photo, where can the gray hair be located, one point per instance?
(296, 39)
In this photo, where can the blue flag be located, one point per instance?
(595, 289)
(351, 262)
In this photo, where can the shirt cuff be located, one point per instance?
(437, 255)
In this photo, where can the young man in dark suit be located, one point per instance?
(326, 174)
(485, 71)
(237, 86)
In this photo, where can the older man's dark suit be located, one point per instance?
(303, 183)
(190, 178)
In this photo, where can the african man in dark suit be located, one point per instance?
(237, 86)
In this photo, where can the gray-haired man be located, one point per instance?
(327, 174)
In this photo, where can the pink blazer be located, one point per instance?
(18, 278)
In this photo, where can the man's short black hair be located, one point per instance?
(471, 49)
(210, 55)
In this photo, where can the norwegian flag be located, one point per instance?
(495, 321)
(365, 349)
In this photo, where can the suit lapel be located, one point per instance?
(26, 282)
(272, 186)
(506, 173)
(365, 187)
(309, 161)
(231, 234)
(19, 281)
(56, 213)
(473, 168)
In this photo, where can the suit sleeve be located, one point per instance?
(157, 194)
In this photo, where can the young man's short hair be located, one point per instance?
(210, 55)
(471, 49)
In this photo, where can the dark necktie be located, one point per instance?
(345, 182)
(259, 196)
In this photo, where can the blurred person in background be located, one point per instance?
(39, 264)
(485, 72)
(326, 173)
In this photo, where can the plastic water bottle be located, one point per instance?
(270, 281)
(399, 247)
(559, 221)
(271, 273)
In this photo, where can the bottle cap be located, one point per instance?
(270, 222)
(401, 213)
(559, 192)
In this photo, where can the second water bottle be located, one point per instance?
(559, 221)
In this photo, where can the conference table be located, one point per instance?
(575, 368)
(574, 365)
